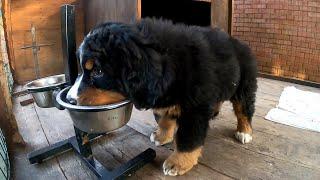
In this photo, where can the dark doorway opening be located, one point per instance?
(179, 11)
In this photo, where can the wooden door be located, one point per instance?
(44, 15)
(98, 11)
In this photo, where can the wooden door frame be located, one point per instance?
(7, 119)
(138, 13)
(6, 9)
(221, 14)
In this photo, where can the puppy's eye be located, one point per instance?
(97, 72)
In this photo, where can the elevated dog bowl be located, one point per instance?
(93, 119)
(42, 89)
(96, 119)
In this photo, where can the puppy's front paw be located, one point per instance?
(160, 138)
(178, 163)
(243, 137)
(173, 166)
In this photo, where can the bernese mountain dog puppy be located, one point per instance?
(183, 73)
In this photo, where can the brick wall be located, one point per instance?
(283, 34)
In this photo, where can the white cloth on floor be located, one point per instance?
(297, 108)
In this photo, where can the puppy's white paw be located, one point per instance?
(160, 139)
(243, 137)
(169, 169)
(153, 139)
(178, 163)
(172, 168)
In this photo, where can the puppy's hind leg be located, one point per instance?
(243, 102)
(244, 128)
(243, 106)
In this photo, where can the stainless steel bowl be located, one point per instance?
(96, 119)
(42, 89)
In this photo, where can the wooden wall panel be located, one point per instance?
(98, 11)
(126, 10)
(45, 15)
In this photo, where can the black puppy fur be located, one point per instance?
(156, 64)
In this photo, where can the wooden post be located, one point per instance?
(221, 14)
(7, 121)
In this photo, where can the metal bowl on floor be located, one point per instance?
(42, 89)
(96, 119)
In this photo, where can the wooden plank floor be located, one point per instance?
(277, 151)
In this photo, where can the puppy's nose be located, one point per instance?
(72, 101)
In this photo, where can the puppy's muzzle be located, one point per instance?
(72, 95)
(82, 94)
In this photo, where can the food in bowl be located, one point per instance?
(83, 93)
(98, 97)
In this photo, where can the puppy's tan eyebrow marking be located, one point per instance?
(89, 64)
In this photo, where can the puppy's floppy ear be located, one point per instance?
(131, 75)
(143, 36)
(145, 77)
(134, 49)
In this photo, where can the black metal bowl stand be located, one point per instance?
(81, 142)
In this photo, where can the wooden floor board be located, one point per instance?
(308, 141)
(154, 170)
(297, 152)
(277, 151)
(35, 138)
(274, 86)
(112, 150)
(243, 163)
(259, 123)
(143, 121)
(122, 145)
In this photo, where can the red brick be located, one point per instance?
(243, 29)
(314, 4)
(282, 34)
